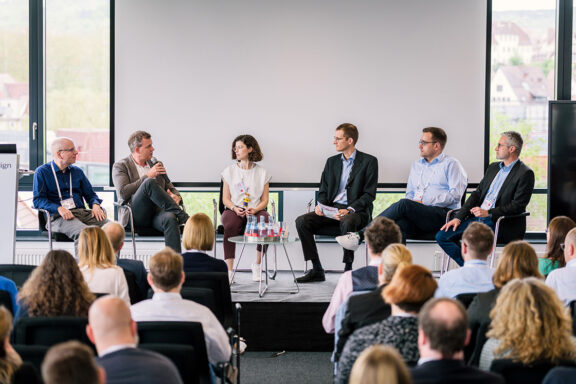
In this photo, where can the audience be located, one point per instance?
(563, 280)
(198, 237)
(529, 324)
(98, 266)
(55, 288)
(475, 275)
(560, 375)
(10, 287)
(379, 234)
(409, 289)
(380, 364)
(166, 278)
(114, 333)
(71, 363)
(556, 233)
(442, 335)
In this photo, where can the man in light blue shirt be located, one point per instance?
(435, 185)
(563, 280)
(475, 276)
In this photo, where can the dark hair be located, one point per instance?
(479, 238)
(557, 231)
(446, 335)
(69, 363)
(250, 142)
(135, 140)
(438, 134)
(349, 130)
(410, 288)
(381, 233)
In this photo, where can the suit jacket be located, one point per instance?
(127, 181)
(452, 371)
(361, 186)
(512, 199)
(201, 262)
(479, 319)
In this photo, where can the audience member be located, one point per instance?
(98, 264)
(556, 233)
(166, 278)
(475, 276)
(71, 363)
(198, 237)
(379, 234)
(55, 288)
(10, 287)
(442, 335)
(114, 333)
(560, 375)
(380, 364)
(529, 324)
(563, 280)
(409, 289)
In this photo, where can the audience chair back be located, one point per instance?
(18, 273)
(466, 298)
(33, 354)
(217, 282)
(6, 301)
(572, 307)
(516, 372)
(204, 296)
(183, 356)
(47, 331)
(133, 289)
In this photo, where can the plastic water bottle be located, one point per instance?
(262, 227)
(248, 226)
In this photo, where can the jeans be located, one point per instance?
(449, 240)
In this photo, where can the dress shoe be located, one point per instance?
(312, 275)
(347, 267)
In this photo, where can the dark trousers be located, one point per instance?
(311, 224)
(233, 226)
(153, 207)
(450, 241)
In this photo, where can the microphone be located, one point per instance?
(155, 161)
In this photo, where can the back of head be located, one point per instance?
(95, 249)
(570, 240)
(9, 361)
(70, 363)
(410, 288)
(198, 233)
(438, 134)
(518, 260)
(380, 364)
(381, 233)
(394, 257)
(445, 323)
(558, 228)
(479, 238)
(110, 320)
(116, 234)
(166, 269)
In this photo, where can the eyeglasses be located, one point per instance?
(501, 145)
(422, 142)
(73, 149)
(339, 138)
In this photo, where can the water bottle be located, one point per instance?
(248, 226)
(262, 227)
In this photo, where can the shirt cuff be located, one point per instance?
(351, 209)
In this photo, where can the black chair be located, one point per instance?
(133, 288)
(204, 296)
(33, 354)
(516, 372)
(47, 331)
(45, 225)
(183, 356)
(466, 298)
(18, 273)
(6, 301)
(572, 307)
(217, 282)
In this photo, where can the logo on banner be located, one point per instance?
(5, 165)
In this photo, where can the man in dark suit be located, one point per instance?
(506, 189)
(348, 183)
(442, 335)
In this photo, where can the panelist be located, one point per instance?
(348, 183)
(144, 184)
(435, 185)
(505, 190)
(62, 189)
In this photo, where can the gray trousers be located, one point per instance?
(72, 228)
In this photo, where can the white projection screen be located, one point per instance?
(197, 73)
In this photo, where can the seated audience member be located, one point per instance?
(475, 276)
(560, 375)
(555, 237)
(380, 364)
(116, 234)
(114, 333)
(55, 288)
(442, 335)
(10, 287)
(98, 264)
(366, 309)
(563, 280)
(166, 278)
(529, 324)
(12, 370)
(198, 237)
(381, 233)
(517, 260)
(409, 289)
(71, 363)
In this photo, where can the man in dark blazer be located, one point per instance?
(505, 190)
(442, 335)
(348, 183)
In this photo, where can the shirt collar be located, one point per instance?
(571, 263)
(57, 169)
(475, 263)
(351, 158)
(167, 296)
(508, 167)
(437, 159)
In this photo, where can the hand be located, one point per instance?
(251, 211)
(318, 211)
(479, 212)
(98, 213)
(452, 223)
(239, 211)
(175, 197)
(418, 201)
(157, 169)
(65, 213)
(341, 213)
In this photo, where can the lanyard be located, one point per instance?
(429, 177)
(58, 184)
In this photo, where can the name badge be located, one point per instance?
(68, 203)
(418, 195)
(240, 188)
(488, 203)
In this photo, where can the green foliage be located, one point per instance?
(546, 66)
(516, 60)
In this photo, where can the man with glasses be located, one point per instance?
(505, 190)
(435, 185)
(62, 189)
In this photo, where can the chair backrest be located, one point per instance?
(18, 273)
(572, 306)
(48, 331)
(183, 356)
(133, 289)
(33, 354)
(6, 301)
(466, 298)
(516, 372)
(218, 282)
(204, 296)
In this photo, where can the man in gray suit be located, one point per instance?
(142, 181)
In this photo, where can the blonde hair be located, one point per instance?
(198, 233)
(394, 257)
(531, 323)
(95, 249)
(9, 362)
(380, 364)
(518, 260)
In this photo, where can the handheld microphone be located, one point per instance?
(155, 161)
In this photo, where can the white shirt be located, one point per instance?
(475, 276)
(252, 180)
(107, 280)
(169, 306)
(563, 281)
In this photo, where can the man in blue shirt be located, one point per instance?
(63, 189)
(435, 185)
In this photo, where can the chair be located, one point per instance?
(204, 296)
(45, 225)
(141, 231)
(466, 298)
(572, 307)
(6, 301)
(18, 273)
(183, 356)
(217, 282)
(47, 331)
(33, 354)
(516, 372)
(133, 288)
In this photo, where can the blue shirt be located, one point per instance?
(443, 181)
(8, 285)
(475, 276)
(496, 185)
(342, 195)
(46, 191)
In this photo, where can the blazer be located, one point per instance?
(201, 262)
(361, 186)
(479, 319)
(452, 371)
(127, 181)
(512, 199)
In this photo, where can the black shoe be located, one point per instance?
(312, 275)
(347, 267)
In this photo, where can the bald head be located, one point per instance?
(110, 323)
(116, 234)
(445, 323)
(570, 245)
(59, 144)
